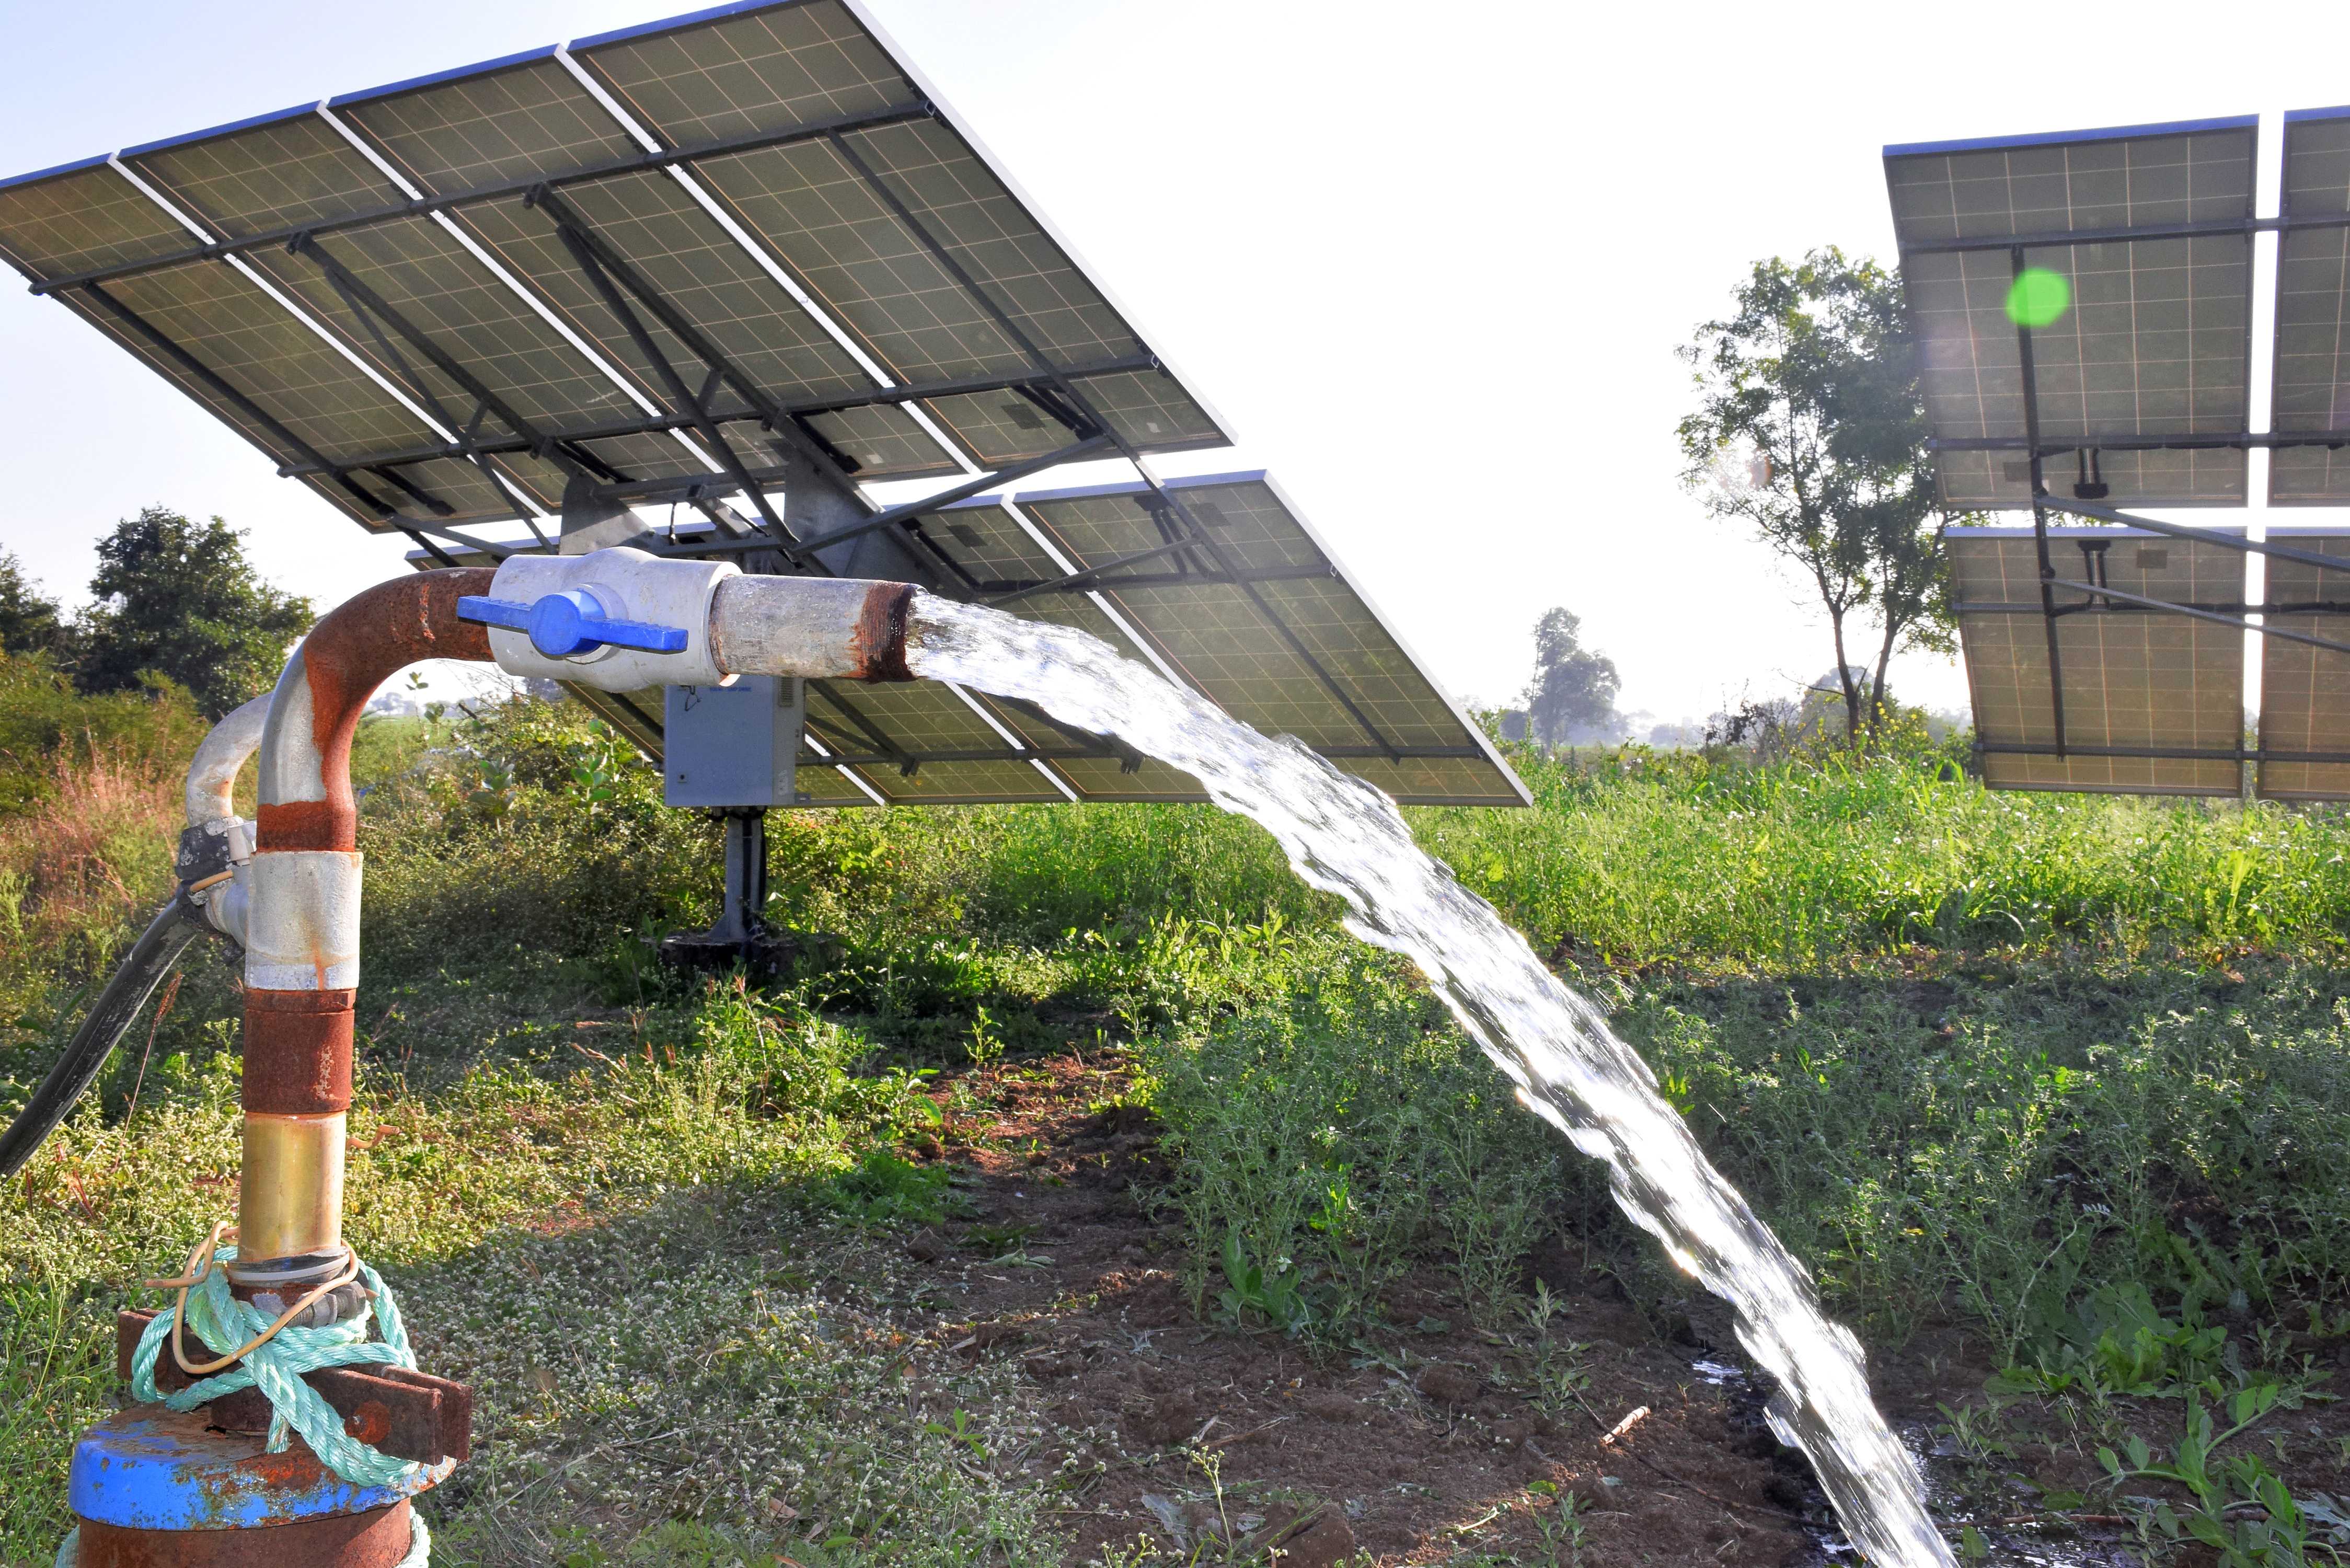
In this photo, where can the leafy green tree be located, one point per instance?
(1810, 429)
(1575, 687)
(29, 621)
(180, 599)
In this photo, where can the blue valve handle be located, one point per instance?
(570, 622)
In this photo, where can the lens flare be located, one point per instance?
(2038, 297)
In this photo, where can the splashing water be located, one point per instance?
(1344, 837)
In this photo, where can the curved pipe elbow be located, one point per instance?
(306, 749)
(829, 629)
(212, 776)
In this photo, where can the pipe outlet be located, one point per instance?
(829, 629)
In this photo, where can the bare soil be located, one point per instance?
(1423, 1456)
(1424, 1444)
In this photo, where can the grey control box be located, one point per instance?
(733, 745)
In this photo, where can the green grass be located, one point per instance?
(1977, 1058)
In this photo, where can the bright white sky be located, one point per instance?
(1430, 263)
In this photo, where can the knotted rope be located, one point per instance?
(274, 1356)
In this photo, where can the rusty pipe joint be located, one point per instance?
(301, 911)
(835, 628)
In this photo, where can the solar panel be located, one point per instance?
(2313, 352)
(2305, 690)
(740, 260)
(2152, 702)
(792, 195)
(2146, 367)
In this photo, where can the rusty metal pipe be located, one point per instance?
(302, 923)
(842, 628)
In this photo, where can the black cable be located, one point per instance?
(151, 958)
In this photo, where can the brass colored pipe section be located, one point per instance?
(293, 1185)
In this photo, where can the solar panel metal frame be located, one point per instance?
(317, 225)
(2292, 481)
(2117, 754)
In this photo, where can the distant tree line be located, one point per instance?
(173, 598)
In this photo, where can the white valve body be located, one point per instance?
(630, 586)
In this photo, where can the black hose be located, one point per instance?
(151, 958)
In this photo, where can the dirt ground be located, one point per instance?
(1427, 1454)
(1428, 1445)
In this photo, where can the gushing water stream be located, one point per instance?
(1344, 837)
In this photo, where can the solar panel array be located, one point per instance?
(2130, 378)
(743, 251)
(835, 238)
(2150, 228)
(2141, 689)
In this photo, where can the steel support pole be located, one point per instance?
(2039, 512)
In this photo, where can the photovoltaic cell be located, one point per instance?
(717, 285)
(525, 122)
(2133, 680)
(2312, 345)
(250, 341)
(296, 170)
(845, 244)
(2305, 690)
(483, 326)
(75, 222)
(2157, 338)
(739, 75)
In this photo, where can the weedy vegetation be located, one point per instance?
(2059, 1082)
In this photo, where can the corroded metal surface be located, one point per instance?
(829, 629)
(151, 1469)
(302, 936)
(376, 1538)
(297, 1052)
(408, 1414)
(880, 642)
(306, 801)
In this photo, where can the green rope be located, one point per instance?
(223, 1322)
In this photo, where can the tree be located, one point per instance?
(1574, 686)
(1811, 431)
(29, 622)
(180, 599)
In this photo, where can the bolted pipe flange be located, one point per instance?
(151, 1487)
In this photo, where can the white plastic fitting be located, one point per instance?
(629, 584)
